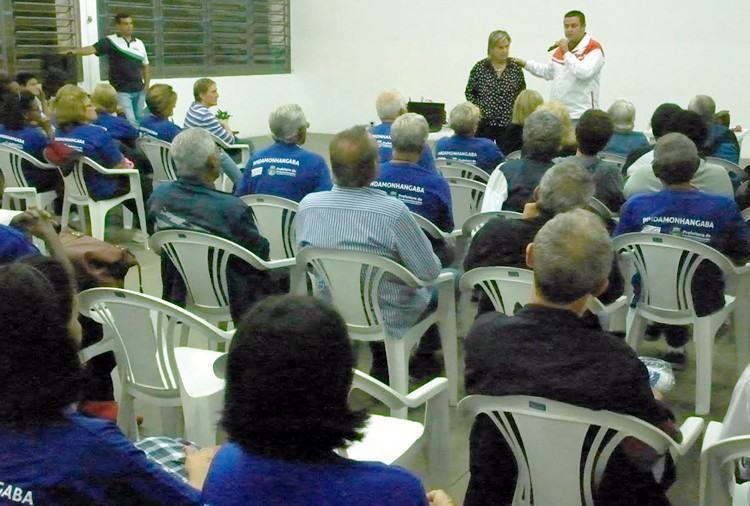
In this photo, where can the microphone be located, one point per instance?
(552, 47)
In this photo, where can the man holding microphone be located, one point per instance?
(574, 69)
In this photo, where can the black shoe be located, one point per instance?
(653, 333)
(423, 367)
(677, 359)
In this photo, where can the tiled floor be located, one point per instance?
(684, 492)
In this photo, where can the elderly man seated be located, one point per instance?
(542, 134)
(624, 140)
(593, 131)
(192, 203)
(502, 242)
(390, 105)
(682, 209)
(708, 178)
(284, 168)
(356, 217)
(721, 141)
(463, 146)
(548, 350)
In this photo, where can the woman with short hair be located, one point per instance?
(463, 145)
(526, 102)
(160, 100)
(494, 83)
(624, 140)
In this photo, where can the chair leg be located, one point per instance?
(170, 422)
(65, 218)
(127, 218)
(142, 219)
(448, 340)
(82, 218)
(398, 370)
(704, 347)
(98, 221)
(636, 326)
(126, 416)
(438, 430)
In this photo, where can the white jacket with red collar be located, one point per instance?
(574, 76)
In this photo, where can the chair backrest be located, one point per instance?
(598, 207)
(159, 154)
(729, 166)
(75, 183)
(201, 260)
(718, 468)
(477, 221)
(507, 288)
(11, 165)
(615, 158)
(561, 450)
(513, 155)
(274, 217)
(466, 198)
(457, 168)
(428, 227)
(667, 265)
(351, 280)
(145, 330)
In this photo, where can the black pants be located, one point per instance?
(493, 132)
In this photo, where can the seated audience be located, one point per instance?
(463, 146)
(28, 81)
(51, 453)
(284, 168)
(593, 131)
(17, 118)
(502, 242)
(541, 142)
(721, 142)
(548, 350)
(75, 112)
(684, 210)
(526, 102)
(192, 203)
(568, 139)
(200, 116)
(624, 140)
(104, 99)
(160, 100)
(15, 238)
(355, 217)
(424, 191)
(709, 177)
(660, 120)
(288, 374)
(390, 105)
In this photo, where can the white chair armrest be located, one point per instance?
(393, 399)
(712, 435)
(113, 172)
(279, 264)
(103, 346)
(244, 152)
(690, 430)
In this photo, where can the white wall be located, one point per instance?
(345, 51)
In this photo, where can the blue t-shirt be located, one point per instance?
(96, 143)
(118, 127)
(14, 245)
(624, 143)
(31, 140)
(285, 170)
(477, 151)
(382, 135)
(423, 191)
(83, 461)
(162, 129)
(238, 478)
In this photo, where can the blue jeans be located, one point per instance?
(228, 167)
(133, 104)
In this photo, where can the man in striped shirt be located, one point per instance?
(200, 116)
(353, 216)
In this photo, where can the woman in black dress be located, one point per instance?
(494, 83)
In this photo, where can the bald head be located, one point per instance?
(354, 157)
(704, 106)
(675, 158)
(390, 105)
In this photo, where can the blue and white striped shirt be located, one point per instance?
(368, 220)
(199, 116)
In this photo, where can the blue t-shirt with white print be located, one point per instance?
(382, 135)
(477, 151)
(159, 128)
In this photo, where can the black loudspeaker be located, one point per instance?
(433, 112)
(58, 70)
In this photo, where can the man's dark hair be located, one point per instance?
(690, 124)
(354, 157)
(580, 15)
(12, 116)
(41, 371)
(120, 16)
(593, 131)
(24, 77)
(288, 374)
(661, 116)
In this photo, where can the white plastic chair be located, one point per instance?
(513, 155)
(353, 279)
(274, 217)
(466, 199)
(397, 441)
(457, 168)
(598, 207)
(718, 485)
(433, 230)
(144, 334)
(666, 265)
(202, 259)
(474, 223)
(729, 166)
(224, 183)
(77, 193)
(547, 440)
(17, 187)
(615, 158)
(159, 154)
